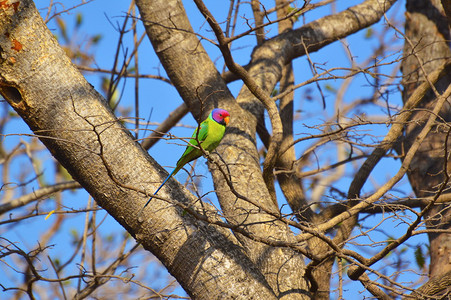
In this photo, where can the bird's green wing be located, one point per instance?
(203, 132)
(192, 152)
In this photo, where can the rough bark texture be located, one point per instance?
(436, 286)
(426, 49)
(75, 123)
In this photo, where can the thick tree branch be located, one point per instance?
(38, 194)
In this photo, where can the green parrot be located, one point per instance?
(209, 134)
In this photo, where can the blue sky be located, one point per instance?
(103, 17)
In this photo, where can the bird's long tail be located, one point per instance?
(167, 178)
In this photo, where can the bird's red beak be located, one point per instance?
(226, 120)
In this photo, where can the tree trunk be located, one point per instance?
(426, 49)
(74, 122)
(202, 88)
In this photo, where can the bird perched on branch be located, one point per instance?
(209, 133)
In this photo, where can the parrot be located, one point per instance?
(209, 133)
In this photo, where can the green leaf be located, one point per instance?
(62, 27)
(369, 33)
(330, 88)
(78, 20)
(419, 257)
(74, 236)
(63, 173)
(56, 262)
(296, 16)
(96, 38)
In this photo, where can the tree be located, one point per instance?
(253, 246)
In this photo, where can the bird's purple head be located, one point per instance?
(220, 115)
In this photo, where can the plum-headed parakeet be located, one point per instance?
(209, 134)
